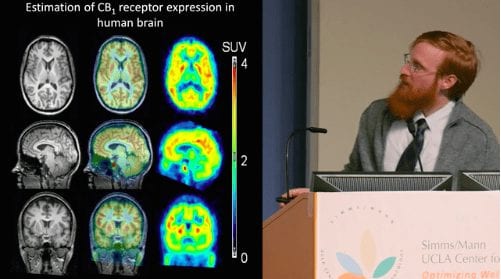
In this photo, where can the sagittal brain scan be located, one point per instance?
(46, 232)
(190, 76)
(47, 75)
(120, 77)
(118, 229)
(190, 154)
(189, 232)
(119, 155)
(48, 155)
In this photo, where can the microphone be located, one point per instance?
(317, 130)
(412, 130)
(289, 140)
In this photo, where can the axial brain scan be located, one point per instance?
(120, 77)
(47, 75)
(190, 154)
(118, 229)
(46, 232)
(119, 155)
(191, 76)
(48, 155)
(189, 233)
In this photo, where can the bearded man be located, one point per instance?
(426, 107)
(437, 72)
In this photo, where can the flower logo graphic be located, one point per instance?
(368, 257)
(355, 272)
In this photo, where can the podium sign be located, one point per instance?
(407, 235)
(355, 235)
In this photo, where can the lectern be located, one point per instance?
(417, 234)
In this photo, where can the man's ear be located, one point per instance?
(448, 81)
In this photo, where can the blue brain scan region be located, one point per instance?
(47, 75)
(189, 233)
(120, 75)
(117, 231)
(190, 76)
(46, 233)
(119, 155)
(190, 154)
(48, 155)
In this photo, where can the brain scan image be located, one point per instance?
(190, 154)
(118, 229)
(189, 233)
(47, 75)
(120, 77)
(190, 76)
(119, 155)
(46, 234)
(48, 155)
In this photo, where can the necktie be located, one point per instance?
(409, 158)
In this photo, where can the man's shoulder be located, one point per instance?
(377, 107)
(462, 112)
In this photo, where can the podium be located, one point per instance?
(359, 235)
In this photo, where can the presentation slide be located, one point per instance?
(134, 139)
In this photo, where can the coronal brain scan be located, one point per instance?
(47, 75)
(189, 232)
(190, 154)
(46, 233)
(120, 75)
(48, 156)
(191, 76)
(119, 155)
(118, 229)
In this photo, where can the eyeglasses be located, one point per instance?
(415, 68)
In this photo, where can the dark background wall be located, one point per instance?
(284, 95)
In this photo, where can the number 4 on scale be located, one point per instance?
(244, 63)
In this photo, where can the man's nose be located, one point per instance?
(405, 70)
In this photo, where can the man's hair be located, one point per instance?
(461, 59)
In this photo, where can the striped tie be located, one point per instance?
(409, 158)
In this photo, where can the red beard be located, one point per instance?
(406, 100)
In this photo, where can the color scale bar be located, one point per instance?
(234, 155)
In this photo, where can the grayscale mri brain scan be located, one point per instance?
(47, 75)
(46, 234)
(48, 155)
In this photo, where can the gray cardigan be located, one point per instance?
(468, 142)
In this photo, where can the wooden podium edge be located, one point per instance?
(289, 240)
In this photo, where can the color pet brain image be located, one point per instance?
(190, 154)
(191, 76)
(47, 75)
(46, 233)
(119, 155)
(189, 233)
(120, 77)
(48, 155)
(118, 229)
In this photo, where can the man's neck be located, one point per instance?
(439, 103)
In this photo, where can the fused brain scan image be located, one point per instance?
(120, 77)
(47, 75)
(46, 234)
(118, 229)
(189, 232)
(48, 155)
(190, 154)
(190, 76)
(119, 155)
